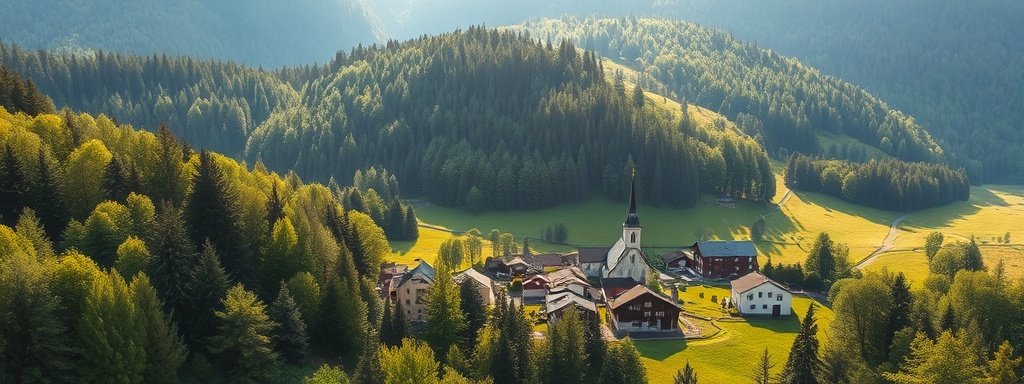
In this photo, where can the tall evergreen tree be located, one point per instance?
(165, 351)
(165, 182)
(623, 365)
(35, 342)
(206, 290)
(212, 214)
(567, 360)
(762, 372)
(369, 370)
(685, 375)
(13, 187)
(446, 321)
(596, 346)
(116, 180)
(113, 334)
(289, 338)
(174, 264)
(472, 306)
(899, 313)
(46, 198)
(242, 343)
(803, 363)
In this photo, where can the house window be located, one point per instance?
(647, 304)
(406, 301)
(778, 298)
(632, 237)
(407, 292)
(764, 306)
(632, 258)
(769, 295)
(759, 294)
(647, 314)
(736, 260)
(419, 310)
(750, 296)
(737, 267)
(752, 306)
(660, 314)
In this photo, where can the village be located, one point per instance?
(618, 285)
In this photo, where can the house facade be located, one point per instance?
(484, 285)
(412, 291)
(756, 294)
(722, 259)
(640, 309)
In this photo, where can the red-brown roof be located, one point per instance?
(751, 281)
(636, 292)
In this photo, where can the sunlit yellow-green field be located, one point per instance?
(730, 355)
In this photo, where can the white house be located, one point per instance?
(484, 284)
(755, 294)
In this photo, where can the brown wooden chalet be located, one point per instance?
(640, 309)
(722, 259)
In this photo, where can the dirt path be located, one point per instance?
(887, 244)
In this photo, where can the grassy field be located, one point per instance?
(991, 211)
(731, 354)
(915, 265)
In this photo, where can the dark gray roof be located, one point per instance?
(548, 260)
(753, 280)
(635, 292)
(556, 302)
(672, 256)
(730, 248)
(593, 254)
(618, 282)
(423, 269)
(632, 219)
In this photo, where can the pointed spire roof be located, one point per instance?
(632, 219)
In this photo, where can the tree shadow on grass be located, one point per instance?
(659, 349)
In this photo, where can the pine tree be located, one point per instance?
(899, 314)
(289, 337)
(762, 372)
(387, 324)
(116, 186)
(446, 322)
(112, 333)
(212, 214)
(623, 365)
(595, 345)
(803, 363)
(472, 305)
(282, 257)
(13, 187)
(567, 362)
(166, 183)
(242, 344)
(31, 228)
(685, 375)
(35, 342)
(369, 370)
(1003, 367)
(342, 324)
(174, 264)
(206, 290)
(46, 198)
(165, 351)
(275, 208)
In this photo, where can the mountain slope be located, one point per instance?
(261, 32)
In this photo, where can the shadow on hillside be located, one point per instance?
(984, 196)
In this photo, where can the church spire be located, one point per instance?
(632, 219)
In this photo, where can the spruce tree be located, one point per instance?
(275, 208)
(289, 338)
(472, 305)
(112, 333)
(165, 351)
(242, 343)
(212, 213)
(446, 321)
(369, 370)
(400, 326)
(31, 228)
(174, 261)
(207, 289)
(13, 187)
(595, 345)
(116, 186)
(46, 198)
(899, 314)
(803, 363)
(567, 362)
(387, 321)
(623, 365)
(166, 183)
(685, 375)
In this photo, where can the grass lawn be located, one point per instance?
(425, 247)
(915, 265)
(991, 211)
(729, 356)
(693, 302)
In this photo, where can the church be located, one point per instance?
(625, 258)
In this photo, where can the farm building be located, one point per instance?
(755, 294)
(640, 309)
(722, 259)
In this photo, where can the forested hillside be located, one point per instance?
(774, 98)
(476, 119)
(954, 66)
(257, 33)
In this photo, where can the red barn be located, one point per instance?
(721, 259)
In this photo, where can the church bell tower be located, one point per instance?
(631, 227)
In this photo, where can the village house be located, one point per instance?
(484, 285)
(537, 286)
(389, 277)
(722, 259)
(640, 309)
(412, 291)
(556, 303)
(675, 261)
(756, 294)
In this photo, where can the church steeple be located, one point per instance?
(632, 219)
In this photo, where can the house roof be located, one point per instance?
(729, 248)
(570, 273)
(673, 256)
(548, 260)
(618, 282)
(636, 292)
(471, 273)
(753, 280)
(619, 252)
(424, 269)
(593, 254)
(556, 302)
(516, 260)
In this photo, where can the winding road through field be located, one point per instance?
(887, 244)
